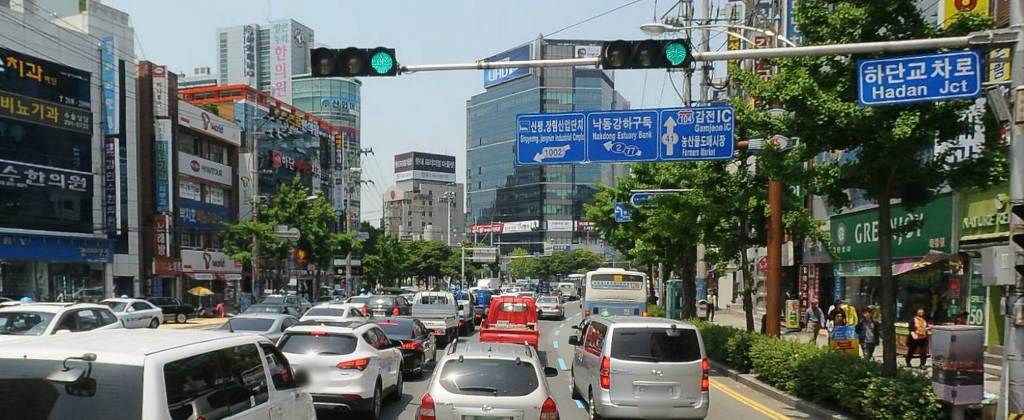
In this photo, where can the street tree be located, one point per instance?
(888, 148)
(523, 265)
(383, 263)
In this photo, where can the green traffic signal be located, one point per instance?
(382, 62)
(676, 53)
(353, 62)
(646, 54)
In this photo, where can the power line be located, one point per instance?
(592, 18)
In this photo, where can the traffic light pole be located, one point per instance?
(1012, 389)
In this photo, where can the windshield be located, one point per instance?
(269, 309)
(24, 323)
(326, 312)
(248, 324)
(116, 306)
(317, 343)
(396, 330)
(494, 377)
(655, 345)
(108, 392)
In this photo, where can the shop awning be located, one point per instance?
(200, 276)
(901, 266)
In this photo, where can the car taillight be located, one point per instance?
(606, 372)
(705, 382)
(412, 345)
(365, 313)
(359, 364)
(394, 311)
(426, 411)
(549, 411)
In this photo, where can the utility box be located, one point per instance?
(673, 298)
(958, 364)
(997, 266)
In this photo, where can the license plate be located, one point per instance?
(654, 390)
(485, 418)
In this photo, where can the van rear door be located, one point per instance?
(655, 367)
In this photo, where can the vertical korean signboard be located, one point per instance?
(249, 52)
(160, 91)
(111, 99)
(111, 192)
(280, 61)
(162, 165)
(162, 226)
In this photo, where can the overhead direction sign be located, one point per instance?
(919, 78)
(647, 135)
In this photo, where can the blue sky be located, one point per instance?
(423, 111)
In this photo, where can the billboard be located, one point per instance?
(493, 77)
(250, 57)
(110, 81)
(111, 190)
(198, 119)
(281, 61)
(950, 8)
(160, 91)
(199, 215)
(424, 166)
(41, 79)
(209, 170)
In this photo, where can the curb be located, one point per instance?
(815, 410)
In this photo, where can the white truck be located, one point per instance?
(439, 312)
(489, 284)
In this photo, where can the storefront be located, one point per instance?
(49, 268)
(815, 277)
(920, 259)
(215, 271)
(984, 223)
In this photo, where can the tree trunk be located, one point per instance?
(888, 287)
(689, 277)
(748, 281)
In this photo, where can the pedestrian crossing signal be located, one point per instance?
(354, 62)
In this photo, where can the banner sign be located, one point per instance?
(162, 165)
(854, 236)
(951, 8)
(55, 249)
(26, 176)
(111, 98)
(617, 285)
(162, 226)
(560, 225)
(111, 192)
(160, 100)
(494, 77)
(280, 61)
(208, 261)
(166, 266)
(35, 111)
(199, 215)
(419, 161)
(249, 50)
(844, 339)
(486, 228)
(209, 170)
(41, 79)
(198, 119)
(520, 227)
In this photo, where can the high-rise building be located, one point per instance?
(530, 206)
(201, 76)
(264, 56)
(425, 202)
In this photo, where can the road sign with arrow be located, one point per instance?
(622, 136)
(551, 138)
(622, 214)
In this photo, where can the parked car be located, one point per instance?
(550, 307)
(489, 381)
(150, 375)
(418, 344)
(389, 305)
(174, 309)
(40, 319)
(272, 308)
(659, 365)
(334, 312)
(511, 320)
(90, 295)
(300, 303)
(439, 312)
(136, 313)
(353, 366)
(270, 326)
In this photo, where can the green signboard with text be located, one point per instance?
(985, 214)
(855, 235)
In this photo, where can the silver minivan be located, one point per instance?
(640, 368)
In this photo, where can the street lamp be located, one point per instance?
(657, 28)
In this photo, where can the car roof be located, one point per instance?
(397, 319)
(642, 322)
(332, 305)
(117, 346)
(123, 300)
(329, 326)
(491, 350)
(51, 307)
(262, 315)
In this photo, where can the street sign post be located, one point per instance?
(622, 214)
(919, 78)
(646, 135)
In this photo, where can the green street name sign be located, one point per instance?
(855, 235)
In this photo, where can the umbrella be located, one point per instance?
(200, 291)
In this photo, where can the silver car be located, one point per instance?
(640, 368)
(267, 325)
(489, 381)
(549, 307)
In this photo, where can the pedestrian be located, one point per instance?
(815, 321)
(838, 321)
(712, 304)
(917, 340)
(867, 333)
(851, 313)
(218, 310)
(834, 308)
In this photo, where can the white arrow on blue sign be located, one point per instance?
(622, 214)
(919, 78)
(622, 136)
(638, 199)
(551, 138)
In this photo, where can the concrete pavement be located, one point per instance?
(203, 323)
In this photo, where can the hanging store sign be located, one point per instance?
(209, 170)
(160, 96)
(111, 86)
(198, 119)
(111, 181)
(27, 176)
(162, 226)
(208, 261)
(198, 215)
(162, 165)
(855, 235)
(35, 111)
(41, 79)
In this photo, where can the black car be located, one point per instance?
(173, 308)
(388, 305)
(418, 345)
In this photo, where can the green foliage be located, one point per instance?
(424, 259)
(829, 377)
(907, 396)
(776, 361)
(523, 265)
(737, 349)
(656, 311)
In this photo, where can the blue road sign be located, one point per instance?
(362, 235)
(638, 199)
(551, 138)
(622, 214)
(919, 78)
(701, 133)
(622, 136)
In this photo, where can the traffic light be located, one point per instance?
(646, 54)
(352, 62)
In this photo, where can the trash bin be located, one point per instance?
(702, 309)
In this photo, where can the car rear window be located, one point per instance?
(116, 306)
(276, 300)
(547, 300)
(513, 307)
(317, 343)
(249, 324)
(326, 312)
(385, 301)
(434, 300)
(108, 391)
(396, 329)
(655, 345)
(489, 377)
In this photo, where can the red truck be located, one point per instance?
(511, 320)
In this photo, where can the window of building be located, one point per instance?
(190, 189)
(217, 153)
(191, 238)
(216, 195)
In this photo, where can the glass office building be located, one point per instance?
(535, 205)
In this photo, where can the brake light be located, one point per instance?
(317, 333)
(412, 345)
(365, 314)
(606, 372)
(358, 364)
(549, 411)
(394, 311)
(705, 382)
(426, 411)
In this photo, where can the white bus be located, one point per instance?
(614, 291)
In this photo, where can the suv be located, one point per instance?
(640, 368)
(150, 374)
(37, 319)
(489, 380)
(353, 365)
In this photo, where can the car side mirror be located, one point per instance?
(574, 340)
(301, 377)
(66, 331)
(130, 309)
(550, 372)
(576, 327)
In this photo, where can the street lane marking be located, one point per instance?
(555, 344)
(561, 325)
(579, 404)
(749, 402)
(561, 364)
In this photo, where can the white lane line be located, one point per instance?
(561, 364)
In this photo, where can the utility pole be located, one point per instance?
(706, 67)
(1012, 398)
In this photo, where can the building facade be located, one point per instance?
(425, 203)
(201, 76)
(533, 206)
(264, 56)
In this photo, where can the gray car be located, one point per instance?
(489, 380)
(640, 368)
(549, 307)
(265, 324)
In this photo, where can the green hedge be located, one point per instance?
(847, 383)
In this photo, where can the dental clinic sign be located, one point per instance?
(919, 78)
(855, 235)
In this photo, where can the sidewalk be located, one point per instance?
(204, 323)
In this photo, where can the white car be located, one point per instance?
(136, 313)
(37, 319)
(352, 365)
(151, 375)
(334, 312)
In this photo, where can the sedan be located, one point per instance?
(549, 307)
(136, 313)
(267, 325)
(267, 308)
(334, 312)
(418, 343)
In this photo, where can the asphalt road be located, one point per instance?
(729, 399)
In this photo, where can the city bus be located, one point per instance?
(614, 291)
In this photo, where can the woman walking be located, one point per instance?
(917, 340)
